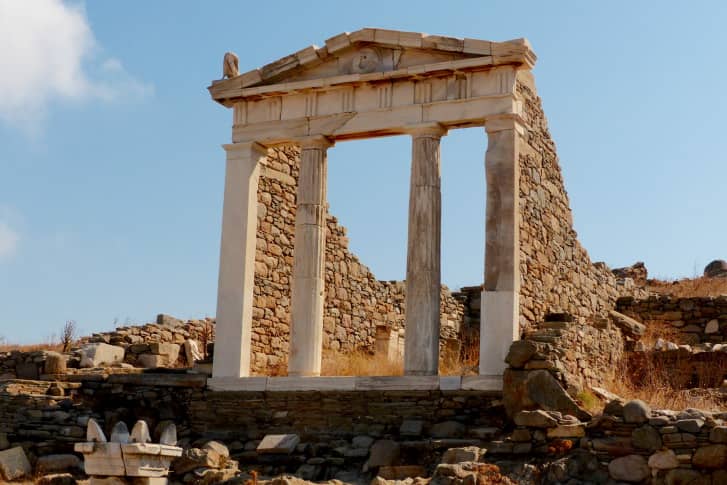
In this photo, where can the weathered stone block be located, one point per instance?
(14, 464)
(98, 354)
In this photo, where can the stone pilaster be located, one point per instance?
(237, 260)
(423, 270)
(500, 310)
(306, 332)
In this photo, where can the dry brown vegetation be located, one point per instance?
(363, 363)
(689, 287)
(674, 384)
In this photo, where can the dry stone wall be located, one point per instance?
(356, 303)
(692, 320)
(556, 273)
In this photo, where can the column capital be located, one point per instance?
(315, 141)
(251, 146)
(426, 130)
(503, 122)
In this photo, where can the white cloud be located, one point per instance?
(9, 239)
(49, 53)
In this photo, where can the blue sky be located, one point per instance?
(111, 170)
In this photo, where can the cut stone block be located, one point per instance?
(14, 464)
(58, 463)
(278, 443)
(170, 351)
(98, 354)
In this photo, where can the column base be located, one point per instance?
(499, 328)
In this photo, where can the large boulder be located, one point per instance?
(529, 390)
(14, 464)
(99, 354)
(716, 269)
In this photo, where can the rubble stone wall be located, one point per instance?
(692, 320)
(355, 301)
(556, 273)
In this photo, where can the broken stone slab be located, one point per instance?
(278, 444)
(14, 464)
(99, 354)
(628, 325)
(529, 390)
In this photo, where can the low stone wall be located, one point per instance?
(692, 320)
(23, 365)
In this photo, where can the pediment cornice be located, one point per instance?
(369, 56)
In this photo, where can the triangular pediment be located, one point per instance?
(369, 51)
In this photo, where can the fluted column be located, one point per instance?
(500, 309)
(306, 333)
(423, 270)
(237, 260)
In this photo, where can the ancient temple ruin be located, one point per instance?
(376, 82)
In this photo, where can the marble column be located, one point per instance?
(306, 332)
(423, 273)
(500, 310)
(237, 260)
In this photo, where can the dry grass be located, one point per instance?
(49, 345)
(363, 363)
(689, 287)
(657, 329)
(670, 384)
